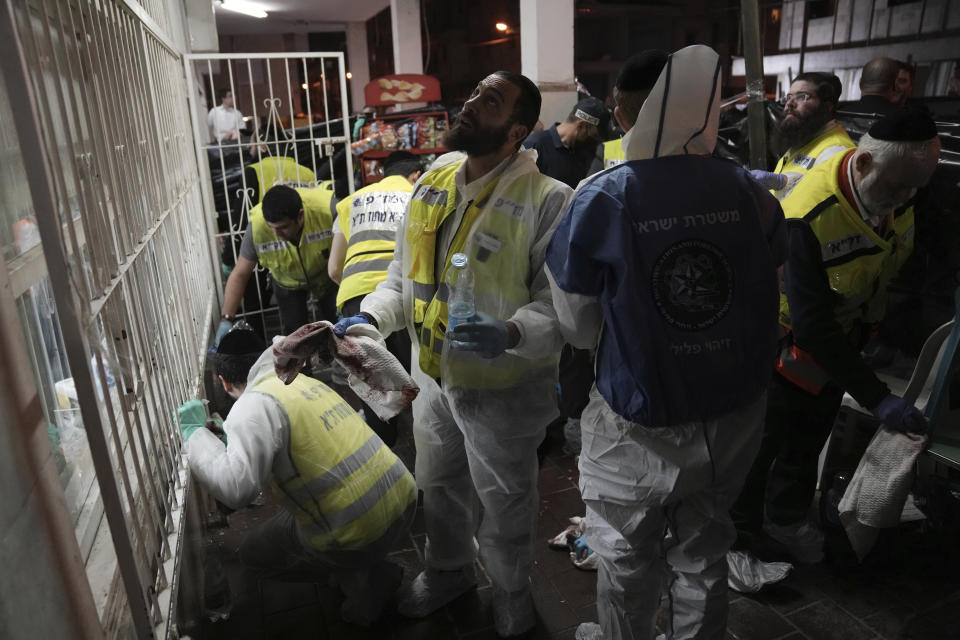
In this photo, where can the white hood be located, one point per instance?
(682, 113)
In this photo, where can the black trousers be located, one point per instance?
(398, 343)
(783, 478)
(293, 307)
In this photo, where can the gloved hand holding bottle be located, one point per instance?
(900, 415)
(488, 335)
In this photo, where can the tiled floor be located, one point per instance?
(905, 591)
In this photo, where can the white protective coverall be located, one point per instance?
(481, 442)
(639, 481)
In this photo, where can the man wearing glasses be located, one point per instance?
(808, 134)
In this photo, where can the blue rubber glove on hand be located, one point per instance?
(341, 327)
(768, 179)
(900, 415)
(222, 329)
(192, 415)
(485, 334)
(581, 548)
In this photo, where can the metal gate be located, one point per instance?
(294, 106)
(107, 259)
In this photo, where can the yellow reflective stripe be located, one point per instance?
(334, 477)
(369, 499)
(322, 234)
(423, 292)
(366, 265)
(372, 234)
(374, 523)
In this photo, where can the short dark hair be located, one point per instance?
(828, 86)
(636, 80)
(880, 74)
(222, 93)
(401, 163)
(236, 355)
(281, 203)
(909, 68)
(526, 110)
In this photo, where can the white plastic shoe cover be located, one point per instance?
(803, 539)
(432, 589)
(513, 613)
(748, 574)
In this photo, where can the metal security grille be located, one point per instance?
(109, 261)
(294, 109)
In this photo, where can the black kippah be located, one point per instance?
(240, 342)
(904, 125)
(640, 72)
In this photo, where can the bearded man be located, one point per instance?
(808, 134)
(487, 387)
(845, 244)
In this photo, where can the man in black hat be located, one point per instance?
(849, 234)
(346, 499)
(565, 150)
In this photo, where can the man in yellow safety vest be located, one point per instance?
(809, 133)
(487, 387)
(289, 234)
(849, 234)
(347, 499)
(364, 237)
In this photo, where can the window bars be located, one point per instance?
(99, 103)
(294, 107)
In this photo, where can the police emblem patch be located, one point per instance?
(692, 284)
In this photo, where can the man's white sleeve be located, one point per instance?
(234, 474)
(537, 320)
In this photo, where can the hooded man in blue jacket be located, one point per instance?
(679, 285)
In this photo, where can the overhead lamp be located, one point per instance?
(501, 26)
(244, 7)
(349, 76)
(304, 86)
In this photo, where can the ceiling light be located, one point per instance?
(304, 86)
(501, 26)
(349, 75)
(244, 7)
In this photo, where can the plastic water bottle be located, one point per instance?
(460, 304)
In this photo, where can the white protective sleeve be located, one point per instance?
(234, 474)
(580, 317)
(537, 320)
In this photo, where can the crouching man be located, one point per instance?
(347, 499)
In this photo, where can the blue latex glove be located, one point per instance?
(581, 548)
(768, 179)
(900, 415)
(222, 329)
(485, 334)
(192, 416)
(345, 323)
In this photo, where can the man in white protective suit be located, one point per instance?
(670, 262)
(488, 387)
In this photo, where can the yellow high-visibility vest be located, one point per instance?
(495, 235)
(369, 220)
(613, 153)
(858, 262)
(280, 170)
(823, 147)
(301, 266)
(345, 487)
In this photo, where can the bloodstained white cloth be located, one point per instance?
(879, 488)
(375, 375)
